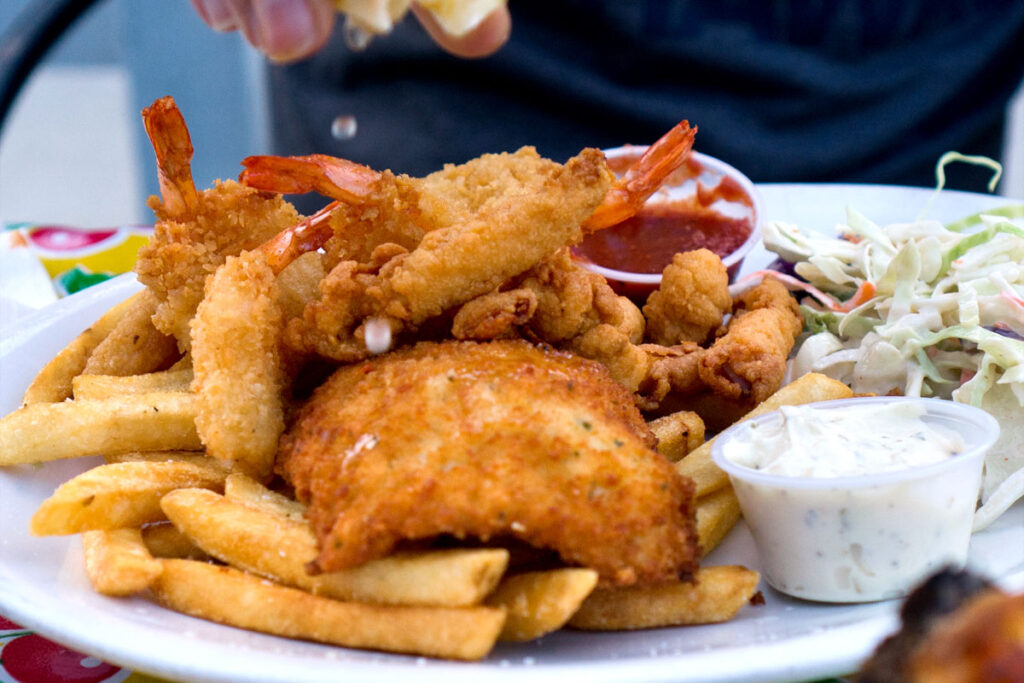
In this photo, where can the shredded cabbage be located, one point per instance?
(921, 309)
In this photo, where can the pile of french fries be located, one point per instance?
(161, 517)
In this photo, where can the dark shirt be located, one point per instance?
(832, 90)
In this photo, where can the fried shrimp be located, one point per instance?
(492, 440)
(235, 356)
(460, 233)
(195, 230)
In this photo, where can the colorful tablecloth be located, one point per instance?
(39, 264)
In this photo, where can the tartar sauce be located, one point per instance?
(857, 500)
(862, 439)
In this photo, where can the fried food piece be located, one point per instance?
(484, 441)
(749, 361)
(673, 370)
(236, 361)
(678, 433)
(195, 231)
(956, 628)
(691, 300)
(134, 346)
(495, 315)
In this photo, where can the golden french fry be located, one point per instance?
(279, 548)
(53, 383)
(678, 433)
(196, 457)
(807, 389)
(118, 563)
(717, 514)
(134, 346)
(118, 496)
(229, 596)
(716, 594)
(244, 489)
(536, 603)
(163, 540)
(143, 422)
(88, 387)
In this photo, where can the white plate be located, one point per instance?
(42, 584)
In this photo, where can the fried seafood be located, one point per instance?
(236, 359)
(691, 300)
(748, 362)
(501, 439)
(455, 235)
(195, 231)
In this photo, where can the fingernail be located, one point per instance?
(217, 14)
(286, 28)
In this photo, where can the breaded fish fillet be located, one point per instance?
(500, 439)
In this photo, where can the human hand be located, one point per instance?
(289, 30)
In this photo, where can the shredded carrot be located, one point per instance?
(864, 293)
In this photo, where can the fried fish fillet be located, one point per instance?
(489, 440)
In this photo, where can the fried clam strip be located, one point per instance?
(280, 548)
(121, 424)
(54, 382)
(121, 495)
(707, 476)
(232, 597)
(575, 309)
(236, 361)
(749, 361)
(716, 594)
(195, 230)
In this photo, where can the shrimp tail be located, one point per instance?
(172, 145)
(339, 179)
(308, 235)
(643, 178)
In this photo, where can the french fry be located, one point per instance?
(716, 595)
(118, 563)
(195, 457)
(118, 496)
(536, 603)
(279, 548)
(88, 387)
(807, 389)
(717, 514)
(678, 433)
(229, 596)
(143, 422)
(53, 383)
(244, 489)
(134, 346)
(163, 540)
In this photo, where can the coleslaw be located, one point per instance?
(921, 309)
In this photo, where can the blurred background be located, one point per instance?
(73, 150)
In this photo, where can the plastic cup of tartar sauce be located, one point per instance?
(842, 511)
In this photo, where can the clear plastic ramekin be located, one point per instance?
(711, 171)
(867, 537)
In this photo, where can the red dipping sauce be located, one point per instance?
(647, 242)
(705, 204)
